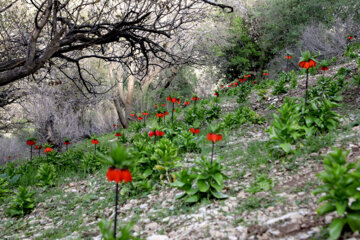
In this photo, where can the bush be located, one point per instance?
(89, 163)
(340, 192)
(22, 203)
(187, 142)
(280, 87)
(4, 190)
(45, 175)
(203, 182)
(123, 234)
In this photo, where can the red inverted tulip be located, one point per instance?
(37, 147)
(159, 133)
(118, 175)
(9, 157)
(139, 118)
(94, 141)
(65, 143)
(132, 114)
(168, 99)
(289, 57)
(155, 105)
(222, 86)
(307, 64)
(216, 94)
(265, 74)
(214, 137)
(195, 98)
(324, 68)
(118, 134)
(30, 142)
(163, 104)
(48, 149)
(151, 133)
(166, 113)
(350, 37)
(145, 113)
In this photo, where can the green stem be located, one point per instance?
(306, 85)
(212, 152)
(116, 207)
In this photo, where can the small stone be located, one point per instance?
(151, 226)
(158, 237)
(241, 194)
(274, 232)
(143, 206)
(289, 228)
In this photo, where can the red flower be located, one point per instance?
(9, 157)
(194, 131)
(186, 103)
(307, 64)
(140, 118)
(265, 74)
(145, 113)
(175, 100)
(151, 133)
(155, 105)
(168, 99)
(37, 147)
(324, 68)
(288, 57)
(195, 98)
(216, 94)
(222, 86)
(132, 114)
(118, 134)
(350, 37)
(94, 141)
(174, 110)
(118, 175)
(48, 149)
(114, 125)
(159, 133)
(65, 143)
(163, 104)
(30, 142)
(166, 113)
(214, 137)
(253, 82)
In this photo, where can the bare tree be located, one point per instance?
(62, 33)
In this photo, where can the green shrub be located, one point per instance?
(280, 87)
(194, 114)
(261, 184)
(187, 142)
(123, 234)
(204, 181)
(213, 112)
(45, 175)
(340, 192)
(286, 128)
(318, 116)
(22, 203)
(166, 156)
(89, 163)
(326, 87)
(4, 190)
(241, 116)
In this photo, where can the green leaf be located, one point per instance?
(286, 147)
(203, 185)
(147, 173)
(353, 220)
(336, 228)
(355, 205)
(219, 195)
(219, 178)
(326, 208)
(177, 184)
(340, 207)
(193, 198)
(192, 191)
(180, 195)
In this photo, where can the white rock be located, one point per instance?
(151, 226)
(158, 237)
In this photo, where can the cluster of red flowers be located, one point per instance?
(186, 103)
(216, 94)
(94, 141)
(139, 118)
(307, 64)
(163, 104)
(350, 37)
(132, 114)
(30, 142)
(118, 175)
(324, 68)
(214, 137)
(265, 74)
(38, 147)
(195, 98)
(161, 115)
(242, 80)
(145, 113)
(194, 131)
(48, 150)
(67, 142)
(222, 86)
(288, 57)
(156, 133)
(118, 134)
(156, 105)
(173, 100)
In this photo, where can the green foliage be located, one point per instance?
(242, 93)
(166, 156)
(136, 126)
(241, 116)
(45, 175)
(4, 190)
(187, 142)
(22, 203)
(89, 163)
(326, 87)
(340, 192)
(203, 181)
(242, 54)
(124, 233)
(118, 157)
(261, 184)
(280, 87)
(194, 114)
(286, 128)
(319, 116)
(213, 112)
